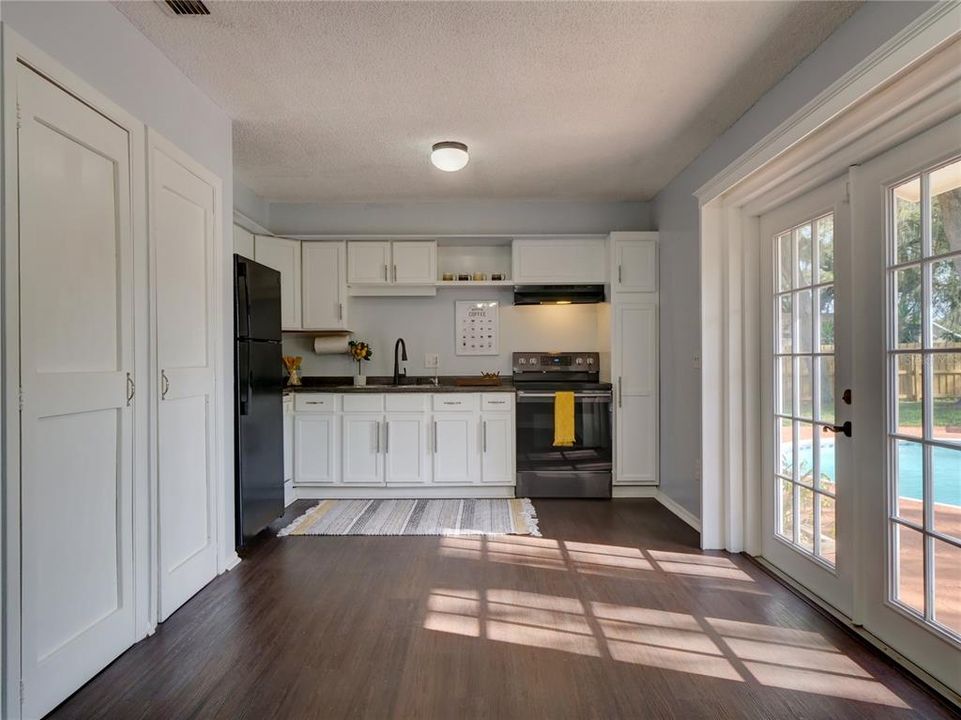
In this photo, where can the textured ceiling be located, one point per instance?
(341, 101)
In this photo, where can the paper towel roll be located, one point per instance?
(331, 345)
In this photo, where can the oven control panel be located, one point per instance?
(541, 362)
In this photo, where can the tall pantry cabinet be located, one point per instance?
(634, 356)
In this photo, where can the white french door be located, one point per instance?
(183, 218)
(907, 207)
(807, 493)
(76, 361)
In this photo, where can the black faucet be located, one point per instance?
(403, 349)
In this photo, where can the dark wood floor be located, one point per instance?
(613, 614)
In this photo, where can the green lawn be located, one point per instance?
(945, 413)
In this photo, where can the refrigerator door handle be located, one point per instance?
(243, 301)
(243, 378)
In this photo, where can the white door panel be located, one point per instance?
(363, 462)
(368, 262)
(455, 448)
(497, 448)
(182, 225)
(414, 262)
(324, 279)
(76, 324)
(316, 448)
(637, 448)
(405, 448)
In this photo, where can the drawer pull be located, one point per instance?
(451, 402)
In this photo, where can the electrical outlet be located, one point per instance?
(431, 360)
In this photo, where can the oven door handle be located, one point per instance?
(598, 395)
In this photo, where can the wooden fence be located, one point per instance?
(945, 376)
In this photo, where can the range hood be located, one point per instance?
(558, 294)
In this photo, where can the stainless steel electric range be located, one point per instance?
(543, 470)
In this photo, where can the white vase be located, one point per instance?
(360, 380)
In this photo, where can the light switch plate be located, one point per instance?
(431, 360)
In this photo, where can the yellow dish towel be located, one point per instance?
(563, 419)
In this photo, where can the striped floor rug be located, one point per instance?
(417, 517)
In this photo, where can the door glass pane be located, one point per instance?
(907, 220)
(786, 509)
(946, 475)
(908, 295)
(805, 256)
(827, 463)
(910, 481)
(785, 262)
(805, 455)
(910, 395)
(786, 451)
(785, 323)
(828, 535)
(946, 410)
(806, 518)
(805, 326)
(805, 379)
(945, 184)
(946, 301)
(825, 237)
(786, 384)
(947, 585)
(910, 568)
(826, 319)
(826, 392)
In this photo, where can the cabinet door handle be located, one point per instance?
(131, 389)
(620, 277)
(386, 276)
(386, 437)
(377, 438)
(340, 311)
(395, 273)
(620, 392)
(435, 437)
(164, 384)
(484, 425)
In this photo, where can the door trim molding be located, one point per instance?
(17, 50)
(730, 322)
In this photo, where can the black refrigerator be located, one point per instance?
(258, 397)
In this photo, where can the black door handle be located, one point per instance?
(845, 429)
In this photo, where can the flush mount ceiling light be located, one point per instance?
(449, 156)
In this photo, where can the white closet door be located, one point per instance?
(76, 320)
(182, 225)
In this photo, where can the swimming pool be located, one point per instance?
(947, 468)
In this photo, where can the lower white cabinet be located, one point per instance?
(405, 449)
(363, 463)
(497, 448)
(316, 448)
(403, 440)
(455, 448)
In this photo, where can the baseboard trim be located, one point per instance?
(920, 674)
(634, 491)
(682, 512)
(232, 561)
(366, 493)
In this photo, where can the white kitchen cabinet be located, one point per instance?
(362, 450)
(288, 450)
(368, 263)
(391, 263)
(283, 255)
(414, 262)
(324, 278)
(243, 242)
(497, 448)
(405, 449)
(560, 260)
(455, 456)
(634, 262)
(634, 360)
(316, 448)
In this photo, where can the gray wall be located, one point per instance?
(676, 216)
(97, 43)
(251, 204)
(459, 217)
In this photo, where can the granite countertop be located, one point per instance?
(376, 384)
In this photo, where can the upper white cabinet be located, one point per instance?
(402, 262)
(560, 260)
(244, 242)
(283, 255)
(368, 262)
(634, 261)
(324, 278)
(415, 262)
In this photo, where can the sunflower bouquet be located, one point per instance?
(359, 351)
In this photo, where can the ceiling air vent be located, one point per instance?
(187, 7)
